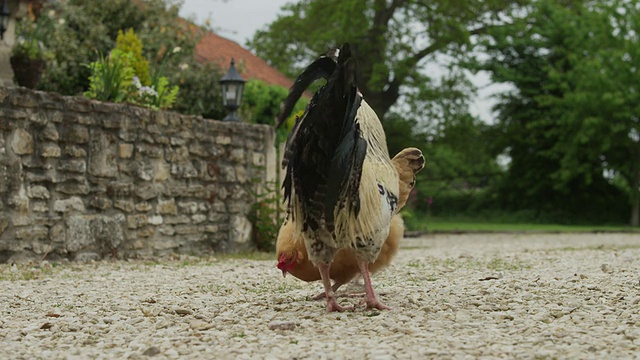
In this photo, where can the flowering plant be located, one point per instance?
(117, 78)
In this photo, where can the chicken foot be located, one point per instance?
(334, 288)
(370, 296)
(332, 304)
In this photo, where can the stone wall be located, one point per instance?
(82, 179)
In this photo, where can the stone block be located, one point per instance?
(125, 151)
(199, 218)
(186, 229)
(223, 139)
(4, 224)
(178, 154)
(152, 151)
(198, 149)
(240, 229)
(78, 104)
(50, 132)
(184, 170)
(93, 232)
(189, 207)
(144, 206)
(101, 202)
(77, 134)
(22, 142)
(66, 205)
(155, 220)
(73, 188)
(176, 141)
(259, 159)
(124, 205)
(32, 233)
(148, 191)
(40, 206)
(38, 192)
(57, 234)
(74, 165)
(136, 221)
(167, 207)
(146, 232)
(78, 233)
(180, 219)
(241, 174)
(75, 151)
(25, 99)
(50, 150)
(237, 155)
(102, 155)
(166, 230)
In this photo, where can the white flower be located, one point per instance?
(176, 49)
(61, 21)
(148, 90)
(184, 66)
(136, 82)
(51, 13)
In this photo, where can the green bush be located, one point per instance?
(129, 42)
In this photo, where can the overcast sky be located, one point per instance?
(237, 20)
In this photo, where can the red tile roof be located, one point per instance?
(216, 49)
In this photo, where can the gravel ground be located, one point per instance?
(453, 296)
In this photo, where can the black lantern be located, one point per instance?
(232, 86)
(4, 18)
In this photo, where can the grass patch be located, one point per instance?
(451, 264)
(442, 225)
(253, 255)
(24, 272)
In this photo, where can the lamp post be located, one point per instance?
(232, 86)
(4, 18)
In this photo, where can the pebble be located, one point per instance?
(556, 296)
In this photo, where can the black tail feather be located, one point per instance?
(322, 68)
(326, 151)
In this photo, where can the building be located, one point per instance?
(218, 50)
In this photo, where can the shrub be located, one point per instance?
(129, 42)
(111, 77)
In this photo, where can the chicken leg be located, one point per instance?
(332, 304)
(323, 295)
(370, 296)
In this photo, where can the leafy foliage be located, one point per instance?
(569, 121)
(111, 77)
(32, 32)
(384, 34)
(116, 77)
(261, 103)
(129, 43)
(82, 29)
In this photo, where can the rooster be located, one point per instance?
(340, 185)
(292, 255)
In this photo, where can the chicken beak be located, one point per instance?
(284, 273)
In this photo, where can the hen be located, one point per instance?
(340, 185)
(292, 255)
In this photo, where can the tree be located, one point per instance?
(393, 39)
(559, 144)
(603, 103)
